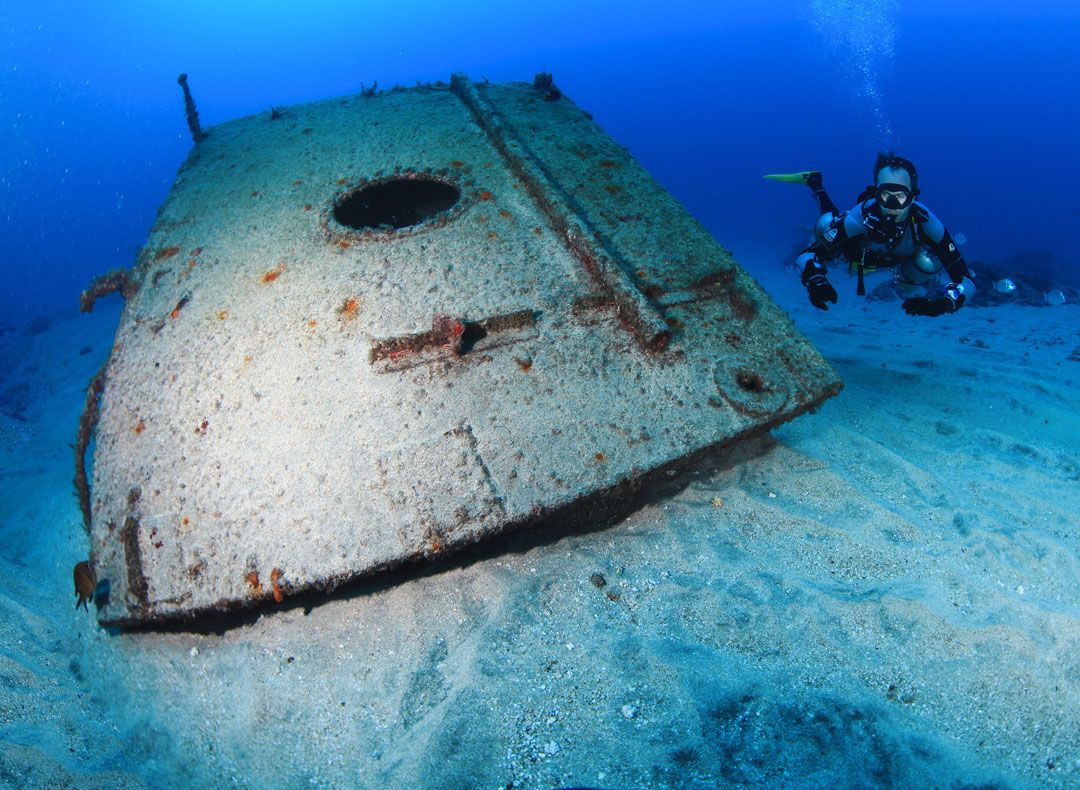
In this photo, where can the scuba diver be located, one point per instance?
(888, 228)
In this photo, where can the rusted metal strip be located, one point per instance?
(451, 337)
(87, 423)
(137, 585)
(446, 332)
(644, 320)
(714, 286)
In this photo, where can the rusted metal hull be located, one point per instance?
(293, 403)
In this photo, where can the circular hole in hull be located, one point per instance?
(395, 203)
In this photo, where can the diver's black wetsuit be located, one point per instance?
(920, 245)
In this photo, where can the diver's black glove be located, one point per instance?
(952, 300)
(820, 291)
(817, 285)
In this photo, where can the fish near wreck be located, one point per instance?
(412, 320)
(85, 584)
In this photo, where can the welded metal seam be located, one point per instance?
(645, 322)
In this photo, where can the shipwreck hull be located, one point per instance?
(376, 329)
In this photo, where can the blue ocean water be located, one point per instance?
(981, 95)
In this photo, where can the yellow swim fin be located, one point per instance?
(793, 178)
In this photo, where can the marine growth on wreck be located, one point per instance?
(379, 328)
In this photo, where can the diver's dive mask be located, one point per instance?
(895, 197)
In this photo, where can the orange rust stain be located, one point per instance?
(608, 163)
(273, 274)
(253, 581)
(222, 315)
(504, 213)
(312, 323)
(185, 521)
(457, 163)
(175, 313)
(485, 195)
(493, 235)
(247, 359)
(166, 252)
(349, 308)
(341, 181)
(344, 244)
(613, 189)
(307, 207)
(192, 263)
(275, 583)
(524, 364)
(600, 457)
(140, 426)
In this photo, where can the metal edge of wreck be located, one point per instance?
(600, 509)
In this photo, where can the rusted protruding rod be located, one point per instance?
(645, 322)
(197, 134)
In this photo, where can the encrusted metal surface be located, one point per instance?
(292, 403)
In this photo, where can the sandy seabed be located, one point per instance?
(885, 593)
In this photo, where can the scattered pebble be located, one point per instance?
(717, 502)
(598, 580)
(630, 711)
(193, 652)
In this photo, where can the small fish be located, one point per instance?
(1005, 286)
(1054, 297)
(85, 584)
